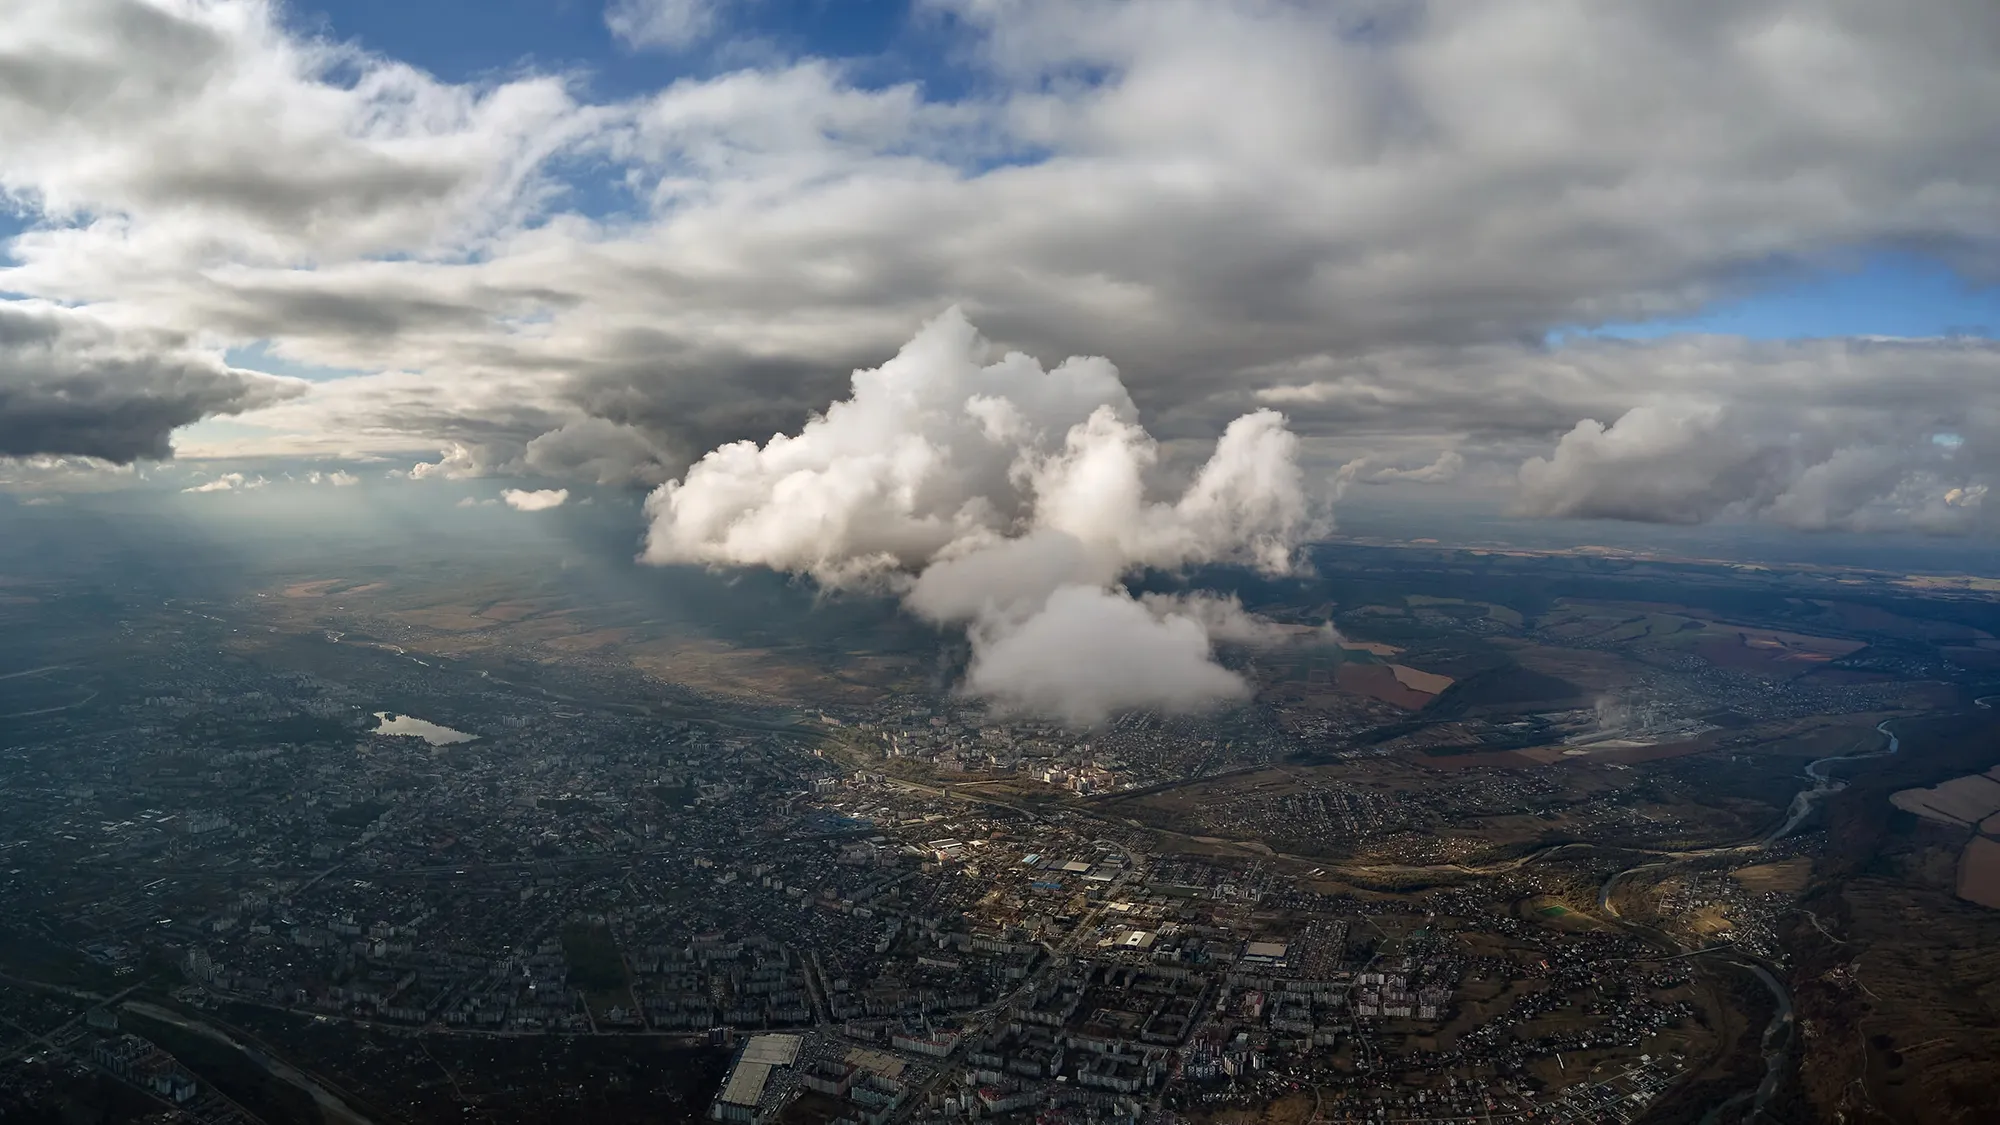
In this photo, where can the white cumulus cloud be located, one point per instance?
(1011, 499)
(540, 500)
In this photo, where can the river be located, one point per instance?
(1777, 1047)
(1822, 785)
(336, 1111)
(1777, 1039)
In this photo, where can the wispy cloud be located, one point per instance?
(668, 24)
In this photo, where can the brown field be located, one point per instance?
(1372, 648)
(1962, 801)
(313, 589)
(1767, 650)
(511, 611)
(1979, 872)
(1591, 670)
(512, 616)
(1379, 681)
(1430, 683)
(447, 619)
(590, 641)
(727, 670)
(1787, 876)
(330, 587)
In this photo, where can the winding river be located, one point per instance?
(1777, 1039)
(1777, 1043)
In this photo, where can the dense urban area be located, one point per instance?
(303, 868)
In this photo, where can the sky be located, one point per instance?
(988, 303)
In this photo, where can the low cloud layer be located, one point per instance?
(1823, 435)
(1011, 499)
(1862, 434)
(228, 482)
(1692, 462)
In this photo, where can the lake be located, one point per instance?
(388, 722)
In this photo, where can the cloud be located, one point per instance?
(1368, 217)
(206, 132)
(75, 384)
(1860, 434)
(667, 24)
(540, 500)
(456, 462)
(338, 478)
(597, 449)
(228, 482)
(1821, 435)
(1091, 652)
(1445, 469)
(1008, 498)
(1657, 464)
(44, 474)
(1223, 618)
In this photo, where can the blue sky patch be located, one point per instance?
(1889, 295)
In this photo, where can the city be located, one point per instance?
(915, 910)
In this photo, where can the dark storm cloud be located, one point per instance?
(71, 385)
